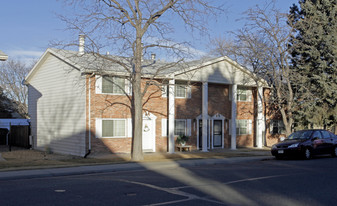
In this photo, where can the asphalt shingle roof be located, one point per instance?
(91, 62)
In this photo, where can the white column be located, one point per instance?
(204, 115)
(259, 118)
(233, 126)
(171, 112)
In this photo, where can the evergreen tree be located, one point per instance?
(314, 57)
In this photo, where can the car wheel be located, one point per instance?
(334, 152)
(307, 153)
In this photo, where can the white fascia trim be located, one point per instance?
(200, 66)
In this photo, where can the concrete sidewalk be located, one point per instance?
(79, 170)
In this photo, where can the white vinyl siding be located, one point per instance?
(57, 107)
(243, 126)
(224, 72)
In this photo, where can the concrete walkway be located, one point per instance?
(54, 172)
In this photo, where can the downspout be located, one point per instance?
(89, 117)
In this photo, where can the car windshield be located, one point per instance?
(300, 135)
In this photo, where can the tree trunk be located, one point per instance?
(137, 143)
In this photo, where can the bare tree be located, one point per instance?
(262, 46)
(12, 74)
(133, 29)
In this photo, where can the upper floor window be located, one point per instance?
(180, 91)
(112, 85)
(244, 94)
(277, 127)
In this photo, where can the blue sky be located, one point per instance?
(28, 26)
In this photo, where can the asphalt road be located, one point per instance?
(268, 182)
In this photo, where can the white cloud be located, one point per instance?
(27, 56)
(190, 52)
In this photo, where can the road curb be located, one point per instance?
(81, 170)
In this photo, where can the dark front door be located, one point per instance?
(200, 135)
(217, 133)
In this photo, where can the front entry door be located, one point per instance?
(149, 134)
(200, 135)
(217, 133)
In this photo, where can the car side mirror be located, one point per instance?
(315, 138)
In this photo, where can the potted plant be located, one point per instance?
(182, 139)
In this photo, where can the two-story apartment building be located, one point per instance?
(80, 102)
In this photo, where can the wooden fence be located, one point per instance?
(18, 136)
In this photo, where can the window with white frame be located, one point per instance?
(113, 85)
(180, 127)
(113, 128)
(277, 127)
(180, 91)
(244, 94)
(243, 126)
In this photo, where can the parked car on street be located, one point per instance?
(305, 144)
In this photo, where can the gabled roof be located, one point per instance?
(109, 64)
(3, 56)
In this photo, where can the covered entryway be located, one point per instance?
(149, 132)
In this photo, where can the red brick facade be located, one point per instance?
(117, 106)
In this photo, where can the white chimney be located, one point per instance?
(153, 56)
(81, 44)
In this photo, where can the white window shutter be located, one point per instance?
(164, 90)
(128, 86)
(271, 126)
(249, 125)
(98, 84)
(189, 127)
(164, 127)
(129, 126)
(98, 127)
(189, 91)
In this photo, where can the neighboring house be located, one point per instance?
(216, 102)
(3, 56)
